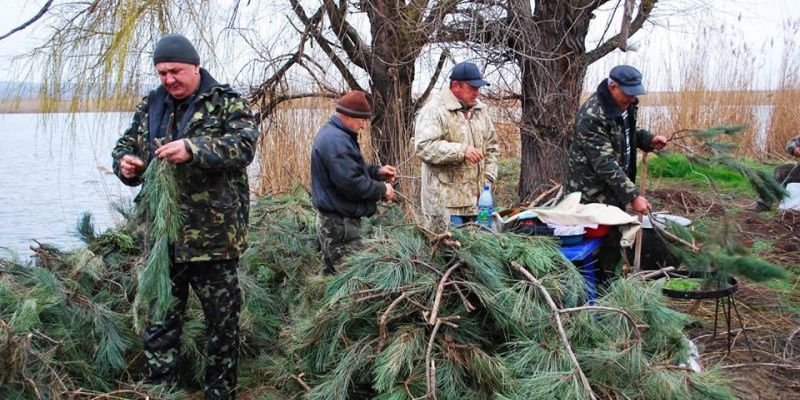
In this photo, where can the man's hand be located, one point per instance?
(473, 155)
(796, 151)
(658, 142)
(174, 152)
(130, 166)
(640, 205)
(387, 173)
(389, 195)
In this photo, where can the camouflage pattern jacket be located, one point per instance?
(598, 149)
(793, 144)
(443, 130)
(214, 191)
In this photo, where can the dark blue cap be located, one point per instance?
(468, 72)
(629, 80)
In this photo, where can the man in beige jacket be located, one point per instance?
(456, 141)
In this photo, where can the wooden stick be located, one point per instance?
(430, 366)
(543, 195)
(560, 328)
(637, 255)
(384, 317)
(624, 313)
(439, 291)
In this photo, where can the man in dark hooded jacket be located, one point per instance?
(207, 130)
(602, 156)
(344, 187)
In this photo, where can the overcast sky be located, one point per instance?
(758, 26)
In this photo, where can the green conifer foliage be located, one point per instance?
(161, 211)
(390, 326)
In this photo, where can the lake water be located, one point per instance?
(52, 170)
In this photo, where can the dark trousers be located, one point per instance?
(338, 236)
(217, 286)
(609, 257)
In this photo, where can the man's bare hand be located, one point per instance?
(796, 152)
(473, 155)
(387, 173)
(175, 152)
(658, 142)
(640, 205)
(389, 195)
(130, 166)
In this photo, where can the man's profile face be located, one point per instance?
(465, 92)
(179, 79)
(623, 100)
(354, 124)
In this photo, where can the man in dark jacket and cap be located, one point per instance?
(344, 187)
(602, 156)
(207, 131)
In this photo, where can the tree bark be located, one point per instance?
(395, 47)
(552, 80)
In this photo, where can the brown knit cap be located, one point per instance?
(354, 104)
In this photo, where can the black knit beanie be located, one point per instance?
(175, 48)
(354, 103)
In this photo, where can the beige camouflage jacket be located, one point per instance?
(451, 184)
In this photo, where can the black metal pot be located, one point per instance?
(718, 293)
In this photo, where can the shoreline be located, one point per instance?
(654, 99)
(35, 106)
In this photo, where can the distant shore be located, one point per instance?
(655, 99)
(34, 106)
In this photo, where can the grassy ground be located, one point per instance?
(769, 312)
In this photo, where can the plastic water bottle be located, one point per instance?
(485, 208)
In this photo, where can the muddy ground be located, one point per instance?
(771, 317)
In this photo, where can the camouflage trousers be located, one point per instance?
(338, 236)
(217, 287)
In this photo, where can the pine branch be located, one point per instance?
(556, 313)
(160, 203)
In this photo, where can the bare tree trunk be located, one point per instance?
(392, 111)
(552, 79)
(546, 125)
(392, 77)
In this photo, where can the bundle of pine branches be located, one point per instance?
(408, 317)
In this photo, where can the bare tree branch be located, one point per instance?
(643, 13)
(27, 23)
(352, 44)
(442, 58)
(325, 45)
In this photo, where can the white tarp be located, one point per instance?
(570, 211)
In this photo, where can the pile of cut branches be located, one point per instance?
(491, 317)
(494, 317)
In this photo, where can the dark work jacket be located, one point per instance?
(597, 151)
(341, 182)
(221, 134)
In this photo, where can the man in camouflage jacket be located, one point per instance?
(456, 141)
(209, 133)
(602, 156)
